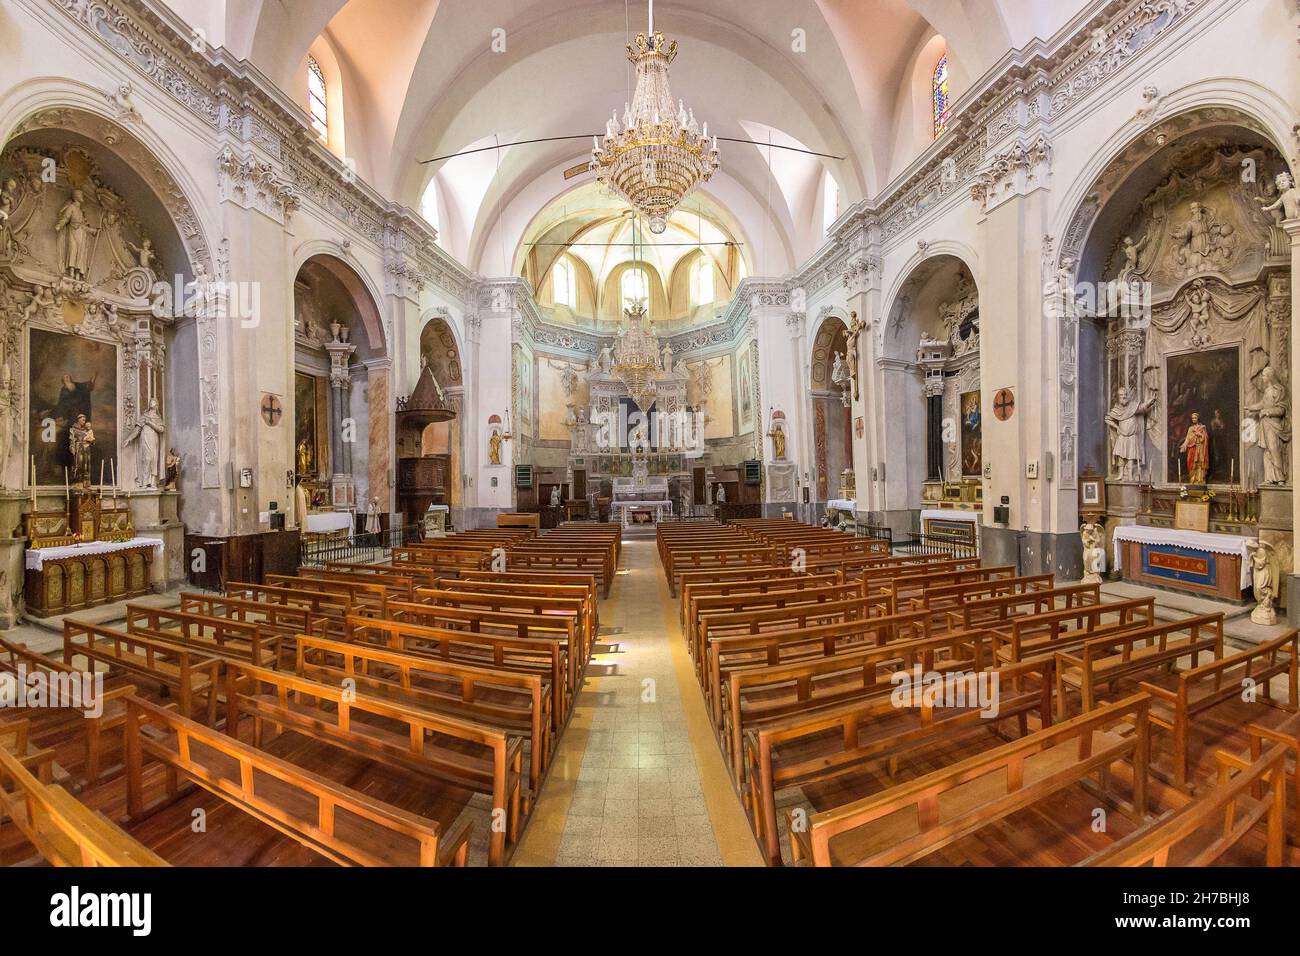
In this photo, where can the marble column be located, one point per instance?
(1292, 227)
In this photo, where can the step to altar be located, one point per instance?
(1171, 605)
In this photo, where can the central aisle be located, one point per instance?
(638, 779)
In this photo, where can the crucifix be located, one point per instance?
(856, 325)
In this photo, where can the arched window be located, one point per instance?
(564, 283)
(939, 99)
(830, 201)
(429, 203)
(316, 107)
(702, 292)
(634, 286)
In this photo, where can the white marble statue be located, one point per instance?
(1126, 421)
(555, 497)
(74, 234)
(147, 436)
(1288, 197)
(372, 516)
(1094, 551)
(8, 203)
(1271, 431)
(1263, 575)
(719, 494)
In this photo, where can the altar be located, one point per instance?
(77, 576)
(1217, 565)
(335, 523)
(640, 494)
(949, 524)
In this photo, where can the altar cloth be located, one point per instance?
(842, 504)
(949, 514)
(1183, 538)
(36, 557)
(321, 522)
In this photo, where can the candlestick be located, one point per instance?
(33, 482)
(67, 490)
(1232, 471)
(101, 483)
(112, 470)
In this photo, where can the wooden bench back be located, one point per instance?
(988, 611)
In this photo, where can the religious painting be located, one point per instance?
(709, 390)
(972, 435)
(70, 376)
(1203, 400)
(306, 444)
(744, 382)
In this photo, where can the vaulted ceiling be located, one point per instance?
(422, 79)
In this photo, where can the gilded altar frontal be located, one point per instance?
(654, 434)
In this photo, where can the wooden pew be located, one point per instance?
(188, 672)
(1037, 635)
(462, 754)
(518, 602)
(691, 591)
(1229, 808)
(583, 589)
(363, 597)
(806, 749)
(1115, 657)
(917, 818)
(991, 611)
(943, 598)
(1286, 734)
(217, 636)
(1200, 689)
(285, 621)
(709, 609)
(596, 563)
(516, 703)
(544, 657)
(339, 823)
(62, 829)
(320, 604)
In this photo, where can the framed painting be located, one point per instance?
(68, 376)
(1204, 388)
(972, 444)
(307, 445)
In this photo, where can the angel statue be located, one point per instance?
(1263, 576)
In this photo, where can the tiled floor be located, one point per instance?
(639, 780)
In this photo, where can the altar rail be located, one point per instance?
(367, 547)
(918, 542)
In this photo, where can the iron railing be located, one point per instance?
(922, 543)
(319, 550)
(875, 531)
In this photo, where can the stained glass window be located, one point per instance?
(939, 99)
(316, 99)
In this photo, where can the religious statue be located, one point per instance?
(372, 516)
(1272, 432)
(555, 497)
(147, 434)
(8, 203)
(719, 494)
(74, 237)
(1198, 301)
(1202, 236)
(1288, 197)
(840, 377)
(777, 434)
(1263, 576)
(1094, 551)
(42, 300)
(1126, 421)
(1196, 443)
(173, 472)
(668, 358)
(81, 442)
(300, 504)
(856, 325)
(494, 448)
(144, 254)
(605, 360)
(304, 458)
(1132, 250)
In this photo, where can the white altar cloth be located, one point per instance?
(36, 557)
(322, 522)
(627, 507)
(1197, 540)
(842, 504)
(949, 514)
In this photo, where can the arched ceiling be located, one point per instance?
(422, 79)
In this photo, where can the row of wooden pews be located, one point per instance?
(426, 681)
(890, 711)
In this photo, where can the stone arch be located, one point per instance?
(832, 439)
(348, 270)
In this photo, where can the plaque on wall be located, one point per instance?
(1192, 515)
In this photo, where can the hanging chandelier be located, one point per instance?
(656, 154)
(636, 358)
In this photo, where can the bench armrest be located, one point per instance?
(1154, 691)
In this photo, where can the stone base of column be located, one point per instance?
(1293, 600)
(1033, 552)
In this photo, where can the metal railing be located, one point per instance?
(918, 542)
(319, 550)
(875, 531)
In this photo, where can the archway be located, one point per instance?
(340, 447)
(435, 467)
(831, 418)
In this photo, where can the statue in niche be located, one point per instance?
(1127, 421)
(777, 434)
(304, 458)
(8, 203)
(1288, 198)
(1272, 432)
(1196, 445)
(668, 358)
(719, 494)
(1202, 239)
(555, 497)
(1263, 576)
(81, 442)
(494, 448)
(74, 234)
(173, 470)
(1198, 301)
(605, 360)
(1094, 551)
(147, 436)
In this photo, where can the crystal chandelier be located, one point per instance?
(656, 154)
(636, 358)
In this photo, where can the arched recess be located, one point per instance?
(341, 436)
(103, 324)
(440, 353)
(1173, 284)
(831, 415)
(931, 384)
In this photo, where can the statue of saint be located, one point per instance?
(81, 442)
(144, 254)
(555, 497)
(1263, 576)
(1196, 444)
(778, 443)
(1272, 432)
(74, 237)
(1132, 250)
(300, 505)
(304, 458)
(1094, 551)
(494, 448)
(147, 434)
(372, 516)
(1125, 421)
(719, 494)
(8, 203)
(173, 473)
